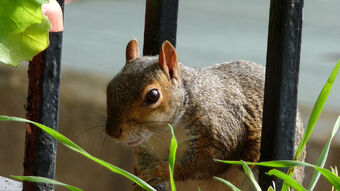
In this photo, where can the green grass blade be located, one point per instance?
(122, 172)
(335, 171)
(47, 181)
(289, 180)
(274, 164)
(71, 145)
(285, 186)
(323, 156)
(317, 109)
(231, 186)
(172, 157)
(251, 176)
(330, 176)
(316, 112)
(270, 188)
(59, 137)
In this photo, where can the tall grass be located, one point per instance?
(71, 145)
(318, 168)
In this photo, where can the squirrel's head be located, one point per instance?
(144, 96)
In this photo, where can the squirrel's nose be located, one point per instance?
(113, 128)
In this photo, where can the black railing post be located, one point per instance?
(160, 24)
(280, 97)
(42, 106)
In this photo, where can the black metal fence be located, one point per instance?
(281, 85)
(43, 107)
(280, 102)
(282, 71)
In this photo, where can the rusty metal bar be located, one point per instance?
(160, 24)
(282, 72)
(42, 106)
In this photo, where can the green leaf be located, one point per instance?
(47, 181)
(289, 180)
(24, 30)
(317, 109)
(323, 156)
(59, 137)
(316, 112)
(274, 164)
(335, 171)
(71, 145)
(330, 176)
(172, 157)
(234, 188)
(250, 175)
(270, 188)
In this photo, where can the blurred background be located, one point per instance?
(209, 32)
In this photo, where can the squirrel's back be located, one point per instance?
(228, 96)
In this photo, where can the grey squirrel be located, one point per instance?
(216, 113)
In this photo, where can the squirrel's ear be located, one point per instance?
(168, 60)
(132, 50)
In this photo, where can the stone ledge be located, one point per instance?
(9, 185)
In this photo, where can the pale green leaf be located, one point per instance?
(229, 184)
(323, 156)
(289, 180)
(330, 176)
(250, 175)
(317, 109)
(316, 112)
(274, 164)
(335, 171)
(270, 188)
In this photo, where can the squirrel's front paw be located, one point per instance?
(158, 170)
(157, 175)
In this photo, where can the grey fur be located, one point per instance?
(220, 108)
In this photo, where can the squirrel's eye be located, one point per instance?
(152, 96)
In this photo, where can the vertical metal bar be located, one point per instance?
(280, 97)
(160, 24)
(42, 106)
